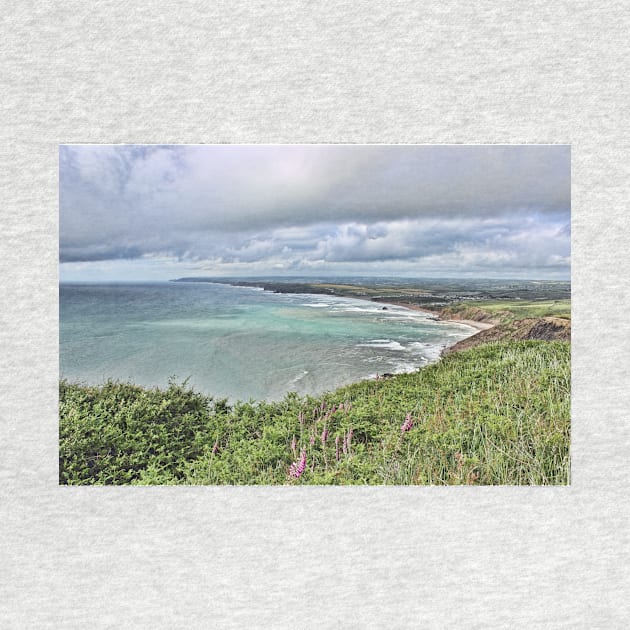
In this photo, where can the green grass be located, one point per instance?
(510, 310)
(523, 308)
(495, 414)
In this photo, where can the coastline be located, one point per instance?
(436, 300)
(476, 325)
(376, 415)
(479, 326)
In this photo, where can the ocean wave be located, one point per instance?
(356, 309)
(383, 344)
(299, 377)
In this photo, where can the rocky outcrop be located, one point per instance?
(543, 328)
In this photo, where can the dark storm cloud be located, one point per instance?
(300, 206)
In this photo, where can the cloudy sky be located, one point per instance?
(149, 212)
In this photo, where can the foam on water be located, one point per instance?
(390, 345)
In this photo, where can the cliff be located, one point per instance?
(541, 328)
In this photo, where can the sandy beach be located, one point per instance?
(468, 322)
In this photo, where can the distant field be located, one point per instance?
(523, 308)
(421, 292)
(379, 291)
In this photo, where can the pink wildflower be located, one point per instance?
(312, 441)
(337, 448)
(324, 435)
(215, 448)
(407, 424)
(297, 468)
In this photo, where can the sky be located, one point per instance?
(153, 212)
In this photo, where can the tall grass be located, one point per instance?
(495, 414)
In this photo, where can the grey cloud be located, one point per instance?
(304, 205)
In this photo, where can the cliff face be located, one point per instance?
(473, 313)
(543, 328)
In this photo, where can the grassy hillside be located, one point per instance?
(505, 311)
(496, 414)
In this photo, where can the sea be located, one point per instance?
(240, 343)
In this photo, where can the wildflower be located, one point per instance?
(215, 448)
(301, 417)
(324, 436)
(312, 441)
(297, 468)
(337, 448)
(407, 424)
(349, 439)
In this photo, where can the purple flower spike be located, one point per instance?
(337, 448)
(297, 468)
(407, 424)
(347, 441)
(324, 435)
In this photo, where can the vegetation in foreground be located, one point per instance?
(498, 413)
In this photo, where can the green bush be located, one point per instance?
(496, 414)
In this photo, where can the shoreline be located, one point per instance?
(479, 326)
(476, 325)
(415, 363)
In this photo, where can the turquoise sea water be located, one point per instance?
(239, 342)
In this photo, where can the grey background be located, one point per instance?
(313, 557)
